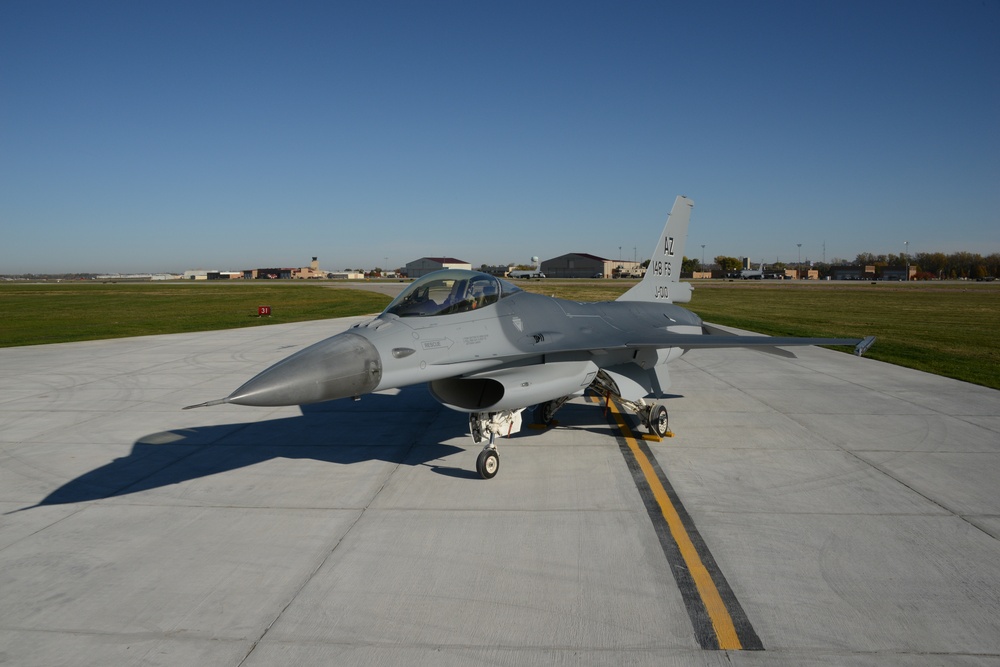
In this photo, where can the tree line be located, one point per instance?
(929, 265)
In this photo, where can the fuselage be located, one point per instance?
(418, 340)
(522, 329)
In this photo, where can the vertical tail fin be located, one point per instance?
(662, 279)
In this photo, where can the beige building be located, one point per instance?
(310, 272)
(807, 274)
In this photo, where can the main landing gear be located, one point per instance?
(656, 420)
(485, 427)
(546, 412)
(652, 415)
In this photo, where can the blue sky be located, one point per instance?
(163, 136)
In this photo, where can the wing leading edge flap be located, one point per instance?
(860, 346)
(695, 341)
(691, 341)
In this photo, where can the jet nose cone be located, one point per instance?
(345, 365)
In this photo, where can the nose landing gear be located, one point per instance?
(486, 426)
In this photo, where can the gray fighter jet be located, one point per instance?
(487, 348)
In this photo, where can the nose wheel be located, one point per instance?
(488, 462)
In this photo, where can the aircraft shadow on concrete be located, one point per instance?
(409, 428)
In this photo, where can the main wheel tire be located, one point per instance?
(659, 422)
(488, 463)
(545, 412)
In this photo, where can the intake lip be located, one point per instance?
(342, 366)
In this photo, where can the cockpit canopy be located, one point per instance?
(449, 291)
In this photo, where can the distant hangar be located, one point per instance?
(424, 265)
(584, 265)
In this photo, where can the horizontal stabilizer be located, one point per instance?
(776, 351)
(713, 330)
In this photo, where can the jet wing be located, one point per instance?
(664, 339)
(718, 338)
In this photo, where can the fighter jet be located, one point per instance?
(487, 348)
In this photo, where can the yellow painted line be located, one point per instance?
(722, 622)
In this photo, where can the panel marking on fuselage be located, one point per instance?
(475, 340)
(437, 343)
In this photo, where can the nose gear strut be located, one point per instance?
(486, 426)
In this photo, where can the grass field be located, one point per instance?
(947, 332)
(33, 314)
(946, 329)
